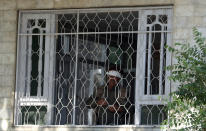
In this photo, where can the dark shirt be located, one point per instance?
(114, 97)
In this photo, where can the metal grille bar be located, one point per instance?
(82, 33)
(75, 85)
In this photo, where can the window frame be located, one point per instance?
(145, 100)
(28, 100)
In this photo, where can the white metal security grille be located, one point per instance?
(63, 63)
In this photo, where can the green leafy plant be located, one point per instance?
(187, 108)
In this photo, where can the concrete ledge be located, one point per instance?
(86, 128)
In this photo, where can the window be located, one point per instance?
(68, 60)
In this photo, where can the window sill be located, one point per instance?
(88, 126)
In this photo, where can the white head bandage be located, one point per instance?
(114, 73)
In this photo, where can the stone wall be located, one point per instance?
(187, 14)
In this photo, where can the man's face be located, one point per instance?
(112, 81)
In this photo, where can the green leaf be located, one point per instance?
(188, 105)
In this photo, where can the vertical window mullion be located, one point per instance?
(40, 64)
(29, 68)
(149, 89)
(75, 84)
(139, 83)
(49, 60)
(168, 55)
(161, 63)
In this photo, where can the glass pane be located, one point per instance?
(30, 23)
(64, 79)
(67, 23)
(163, 19)
(108, 21)
(98, 54)
(42, 23)
(151, 19)
(43, 60)
(155, 60)
(156, 56)
(153, 114)
(35, 62)
(33, 115)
